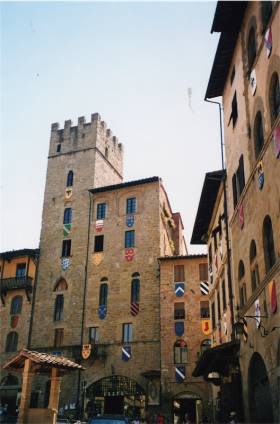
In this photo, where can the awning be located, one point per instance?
(43, 361)
(217, 359)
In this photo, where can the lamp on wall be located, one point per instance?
(239, 325)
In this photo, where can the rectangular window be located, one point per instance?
(234, 111)
(130, 205)
(58, 148)
(58, 337)
(213, 313)
(127, 333)
(58, 308)
(219, 304)
(179, 273)
(101, 211)
(204, 309)
(224, 295)
(129, 239)
(179, 310)
(180, 355)
(66, 248)
(98, 243)
(21, 270)
(203, 272)
(238, 181)
(93, 335)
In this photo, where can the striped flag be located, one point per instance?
(126, 353)
(204, 287)
(99, 224)
(245, 330)
(134, 308)
(180, 373)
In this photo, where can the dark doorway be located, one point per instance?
(260, 402)
(114, 405)
(183, 407)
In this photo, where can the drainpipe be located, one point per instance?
(83, 310)
(226, 222)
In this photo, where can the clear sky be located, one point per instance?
(131, 62)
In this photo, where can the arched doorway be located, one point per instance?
(187, 403)
(260, 401)
(9, 393)
(115, 395)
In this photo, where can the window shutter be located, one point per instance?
(179, 273)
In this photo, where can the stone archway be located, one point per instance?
(115, 394)
(187, 402)
(260, 400)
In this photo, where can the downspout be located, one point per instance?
(37, 261)
(83, 308)
(226, 222)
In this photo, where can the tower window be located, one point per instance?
(234, 111)
(274, 97)
(131, 205)
(238, 181)
(11, 342)
(70, 179)
(98, 243)
(67, 218)
(251, 48)
(66, 248)
(204, 309)
(266, 13)
(58, 337)
(16, 305)
(203, 272)
(101, 211)
(180, 352)
(58, 148)
(129, 239)
(58, 307)
(179, 273)
(135, 289)
(242, 284)
(179, 310)
(93, 334)
(258, 134)
(103, 294)
(127, 333)
(21, 270)
(268, 244)
(255, 279)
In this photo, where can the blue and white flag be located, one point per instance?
(204, 287)
(130, 220)
(180, 373)
(179, 328)
(126, 353)
(179, 289)
(102, 311)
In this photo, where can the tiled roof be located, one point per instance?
(19, 253)
(123, 185)
(44, 359)
(200, 255)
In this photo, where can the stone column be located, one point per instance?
(25, 392)
(54, 393)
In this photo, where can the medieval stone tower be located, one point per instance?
(80, 157)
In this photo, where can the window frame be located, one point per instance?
(70, 178)
(204, 309)
(258, 134)
(58, 308)
(131, 205)
(67, 216)
(129, 239)
(95, 332)
(268, 244)
(127, 333)
(21, 270)
(180, 353)
(16, 305)
(11, 342)
(101, 210)
(98, 243)
(66, 248)
(179, 312)
(103, 294)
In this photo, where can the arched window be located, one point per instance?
(205, 345)
(58, 307)
(180, 352)
(266, 12)
(70, 179)
(67, 218)
(106, 152)
(103, 294)
(268, 244)
(255, 278)
(242, 284)
(258, 134)
(135, 288)
(16, 305)
(11, 342)
(274, 97)
(251, 48)
(61, 285)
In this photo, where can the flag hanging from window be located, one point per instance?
(99, 224)
(129, 254)
(134, 308)
(65, 263)
(102, 311)
(273, 296)
(129, 220)
(268, 42)
(126, 353)
(204, 287)
(179, 289)
(205, 325)
(66, 229)
(179, 328)
(276, 138)
(14, 320)
(180, 373)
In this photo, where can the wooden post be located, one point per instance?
(54, 393)
(25, 392)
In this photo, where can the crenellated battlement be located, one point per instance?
(95, 132)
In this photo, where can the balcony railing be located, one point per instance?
(15, 283)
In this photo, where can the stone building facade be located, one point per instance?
(18, 271)
(184, 334)
(246, 74)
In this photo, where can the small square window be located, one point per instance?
(66, 248)
(127, 333)
(21, 270)
(131, 205)
(179, 310)
(58, 148)
(93, 334)
(101, 211)
(129, 239)
(99, 243)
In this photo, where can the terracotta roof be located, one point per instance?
(44, 359)
(194, 256)
(124, 185)
(19, 253)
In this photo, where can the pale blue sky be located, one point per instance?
(132, 63)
